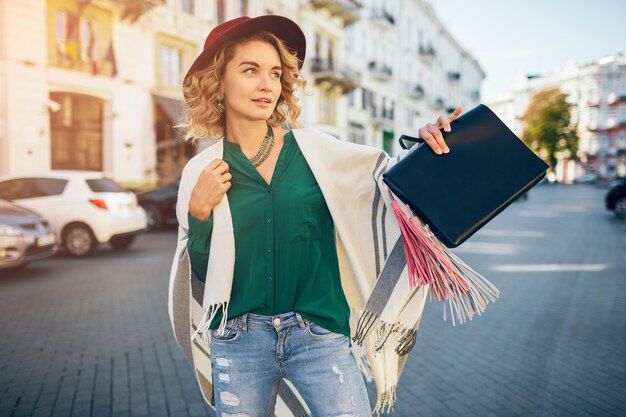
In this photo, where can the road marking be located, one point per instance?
(550, 267)
(488, 248)
(536, 213)
(512, 233)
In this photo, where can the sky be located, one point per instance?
(507, 37)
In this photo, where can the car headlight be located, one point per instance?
(6, 230)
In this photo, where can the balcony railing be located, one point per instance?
(132, 10)
(382, 18)
(427, 51)
(437, 103)
(347, 10)
(380, 70)
(454, 76)
(415, 91)
(381, 115)
(326, 70)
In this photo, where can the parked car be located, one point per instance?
(615, 198)
(84, 208)
(24, 236)
(160, 204)
(588, 178)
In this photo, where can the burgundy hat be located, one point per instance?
(284, 28)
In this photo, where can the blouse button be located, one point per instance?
(269, 220)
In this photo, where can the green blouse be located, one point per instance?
(285, 252)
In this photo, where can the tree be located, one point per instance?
(547, 126)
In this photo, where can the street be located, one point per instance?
(91, 337)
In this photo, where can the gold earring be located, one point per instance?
(220, 105)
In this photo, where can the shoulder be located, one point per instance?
(205, 156)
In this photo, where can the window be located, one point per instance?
(15, 189)
(351, 94)
(104, 185)
(76, 132)
(327, 108)
(318, 45)
(187, 6)
(220, 11)
(86, 40)
(620, 142)
(356, 133)
(49, 186)
(21, 188)
(170, 65)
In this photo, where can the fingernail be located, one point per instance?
(446, 150)
(438, 151)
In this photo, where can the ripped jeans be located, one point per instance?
(256, 351)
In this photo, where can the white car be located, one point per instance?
(84, 208)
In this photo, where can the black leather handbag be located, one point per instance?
(455, 194)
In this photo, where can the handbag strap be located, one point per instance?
(406, 142)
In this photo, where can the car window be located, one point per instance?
(48, 186)
(16, 189)
(104, 185)
(21, 188)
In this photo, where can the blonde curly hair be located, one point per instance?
(201, 90)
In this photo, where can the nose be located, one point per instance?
(265, 84)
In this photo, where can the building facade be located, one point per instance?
(597, 92)
(95, 84)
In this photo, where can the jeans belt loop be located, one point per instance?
(243, 322)
(301, 321)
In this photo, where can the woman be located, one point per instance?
(283, 234)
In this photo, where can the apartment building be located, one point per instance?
(597, 91)
(95, 84)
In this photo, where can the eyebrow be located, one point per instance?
(254, 64)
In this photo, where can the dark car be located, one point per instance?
(24, 236)
(616, 197)
(160, 205)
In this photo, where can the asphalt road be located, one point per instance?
(91, 337)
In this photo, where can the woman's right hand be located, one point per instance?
(212, 184)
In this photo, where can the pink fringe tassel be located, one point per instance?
(426, 260)
(429, 262)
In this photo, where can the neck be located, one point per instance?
(248, 134)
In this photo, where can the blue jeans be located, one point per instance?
(256, 351)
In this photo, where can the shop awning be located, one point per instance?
(172, 107)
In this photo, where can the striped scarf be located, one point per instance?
(373, 240)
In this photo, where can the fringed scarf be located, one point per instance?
(374, 238)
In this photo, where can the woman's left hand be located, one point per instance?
(432, 135)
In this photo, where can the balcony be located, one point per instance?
(427, 53)
(347, 10)
(132, 10)
(382, 19)
(381, 116)
(380, 70)
(327, 71)
(415, 91)
(593, 102)
(454, 76)
(437, 103)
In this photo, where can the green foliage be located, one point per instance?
(547, 126)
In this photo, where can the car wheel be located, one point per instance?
(122, 242)
(620, 207)
(78, 240)
(154, 219)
